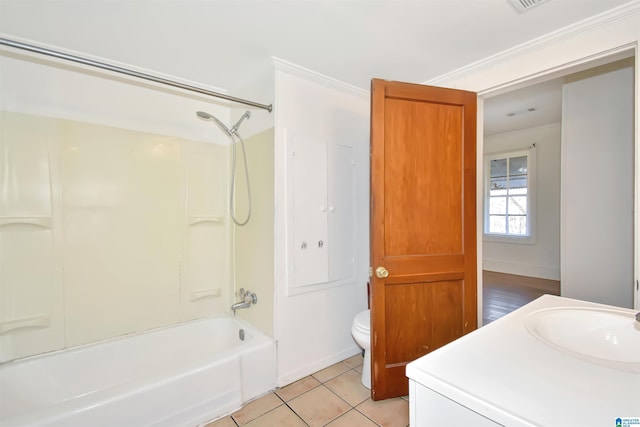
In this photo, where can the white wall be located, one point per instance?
(541, 258)
(313, 329)
(258, 85)
(36, 85)
(580, 46)
(597, 186)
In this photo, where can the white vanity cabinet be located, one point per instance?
(321, 213)
(507, 373)
(429, 408)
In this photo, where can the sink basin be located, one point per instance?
(605, 337)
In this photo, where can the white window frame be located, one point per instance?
(530, 238)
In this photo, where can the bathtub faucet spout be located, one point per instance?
(247, 298)
(239, 305)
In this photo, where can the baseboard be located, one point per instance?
(316, 366)
(507, 267)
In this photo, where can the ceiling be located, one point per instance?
(525, 108)
(224, 43)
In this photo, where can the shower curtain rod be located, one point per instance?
(132, 73)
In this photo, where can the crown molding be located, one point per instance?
(606, 18)
(296, 70)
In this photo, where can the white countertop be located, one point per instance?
(503, 372)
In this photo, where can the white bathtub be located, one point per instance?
(184, 375)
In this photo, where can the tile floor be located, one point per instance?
(332, 397)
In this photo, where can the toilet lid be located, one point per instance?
(362, 321)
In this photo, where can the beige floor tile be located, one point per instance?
(354, 361)
(349, 387)
(319, 406)
(282, 416)
(386, 413)
(352, 418)
(253, 410)
(331, 372)
(222, 422)
(297, 388)
(358, 369)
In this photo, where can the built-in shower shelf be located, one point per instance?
(195, 220)
(204, 293)
(42, 321)
(18, 221)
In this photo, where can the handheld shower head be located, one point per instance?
(206, 116)
(233, 135)
(203, 115)
(246, 115)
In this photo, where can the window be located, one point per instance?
(509, 179)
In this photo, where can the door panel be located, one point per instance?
(415, 168)
(420, 334)
(423, 227)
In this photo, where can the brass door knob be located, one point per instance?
(381, 272)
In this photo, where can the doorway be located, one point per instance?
(529, 118)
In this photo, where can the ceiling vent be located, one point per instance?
(525, 5)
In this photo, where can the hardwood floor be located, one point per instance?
(502, 293)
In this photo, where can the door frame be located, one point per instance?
(585, 62)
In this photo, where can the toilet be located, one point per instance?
(361, 331)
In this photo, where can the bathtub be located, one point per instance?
(184, 375)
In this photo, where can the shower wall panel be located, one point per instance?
(106, 231)
(121, 210)
(31, 294)
(254, 243)
(206, 254)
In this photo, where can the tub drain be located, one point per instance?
(241, 334)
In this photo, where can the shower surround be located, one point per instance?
(113, 241)
(106, 232)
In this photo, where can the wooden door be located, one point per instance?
(423, 225)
